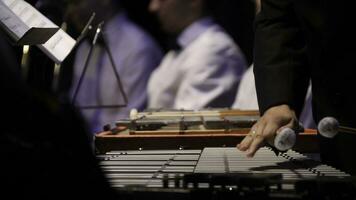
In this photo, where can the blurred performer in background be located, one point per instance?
(37, 160)
(135, 55)
(297, 41)
(205, 66)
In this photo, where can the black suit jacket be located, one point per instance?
(299, 40)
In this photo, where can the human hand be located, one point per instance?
(274, 120)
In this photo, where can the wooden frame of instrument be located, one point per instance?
(307, 142)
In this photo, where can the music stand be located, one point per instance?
(100, 35)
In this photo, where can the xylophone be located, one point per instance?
(221, 173)
(189, 122)
(185, 129)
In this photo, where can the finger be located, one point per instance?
(270, 132)
(247, 139)
(257, 142)
(255, 145)
(245, 143)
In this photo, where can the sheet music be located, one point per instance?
(19, 17)
(13, 25)
(59, 46)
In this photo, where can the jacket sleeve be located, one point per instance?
(281, 67)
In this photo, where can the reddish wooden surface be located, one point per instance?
(105, 141)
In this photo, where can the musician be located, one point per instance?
(204, 68)
(298, 40)
(135, 54)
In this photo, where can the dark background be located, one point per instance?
(236, 16)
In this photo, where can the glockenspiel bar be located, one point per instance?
(155, 152)
(146, 163)
(154, 157)
(129, 176)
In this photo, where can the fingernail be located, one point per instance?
(243, 148)
(249, 153)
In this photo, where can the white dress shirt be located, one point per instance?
(135, 55)
(246, 99)
(205, 73)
